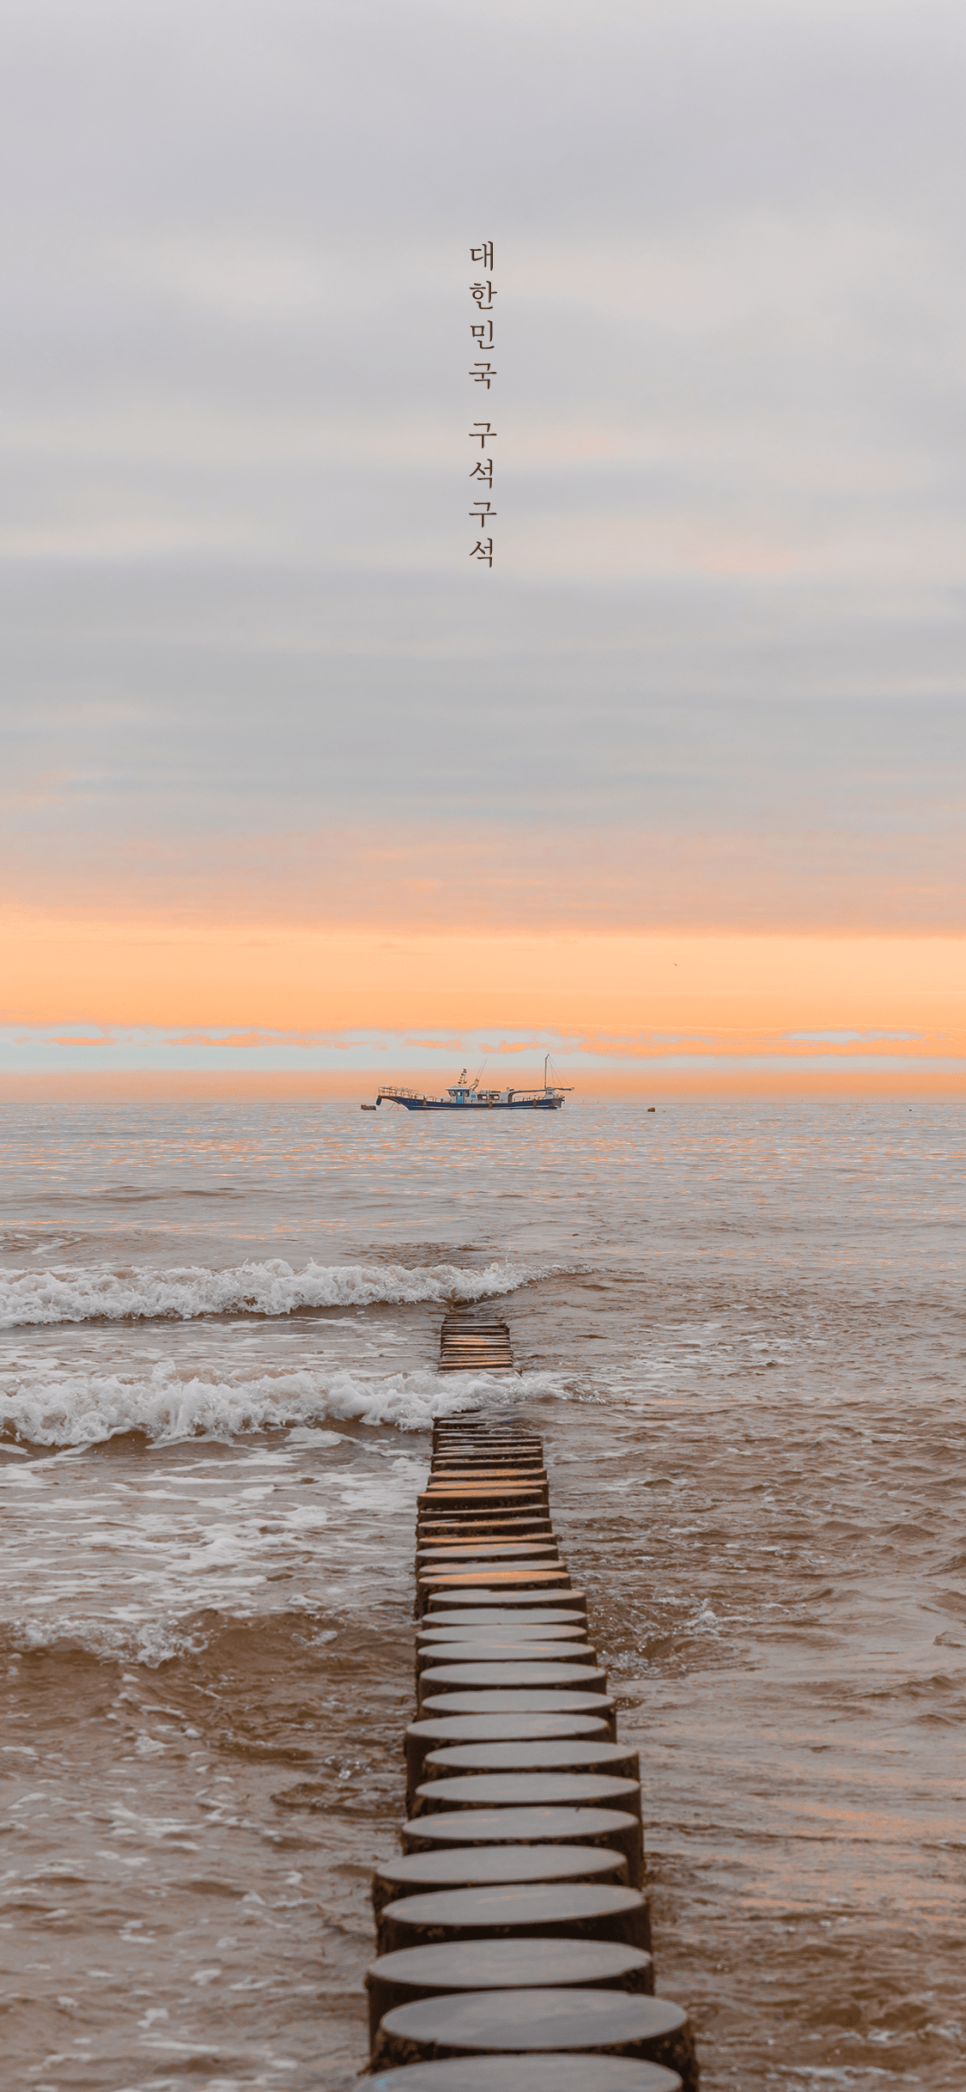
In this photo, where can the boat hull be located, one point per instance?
(444, 1104)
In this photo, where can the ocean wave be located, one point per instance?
(149, 1642)
(77, 1640)
(54, 1407)
(69, 1293)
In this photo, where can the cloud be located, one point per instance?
(714, 681)
(94, 1039)
(437, 1045)
(766, 859)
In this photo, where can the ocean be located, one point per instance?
(739, 1328)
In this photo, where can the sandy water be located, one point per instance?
(740, 1331)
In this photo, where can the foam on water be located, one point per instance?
(69, 1293)
(148, 1642)
(144, 1558)
(57, 1407)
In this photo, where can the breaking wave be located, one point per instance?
(147, 1642)
(71, 1294)
(60, 1408)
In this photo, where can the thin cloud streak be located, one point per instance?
(900, 868)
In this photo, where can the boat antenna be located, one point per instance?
(481, 1067)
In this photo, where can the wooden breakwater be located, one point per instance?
(469, 1341)
(513, 1930)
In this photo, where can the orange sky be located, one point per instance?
(634, 1004)
(295, 978)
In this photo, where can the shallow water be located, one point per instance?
(740, 1331)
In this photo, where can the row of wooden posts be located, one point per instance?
(513, 1929)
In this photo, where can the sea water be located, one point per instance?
(739, 1329)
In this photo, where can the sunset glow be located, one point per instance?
(675, 790)
(624, 1012)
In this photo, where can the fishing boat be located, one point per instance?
(468, 1096)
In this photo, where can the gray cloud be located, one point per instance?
(730, 409)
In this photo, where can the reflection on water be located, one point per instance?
(742, 1339)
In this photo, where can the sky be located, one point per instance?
(292, 786)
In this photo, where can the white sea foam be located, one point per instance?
(147, 1642)
(51, 1407)
(71, 1293)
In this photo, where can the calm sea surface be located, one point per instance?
(740, 1330)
